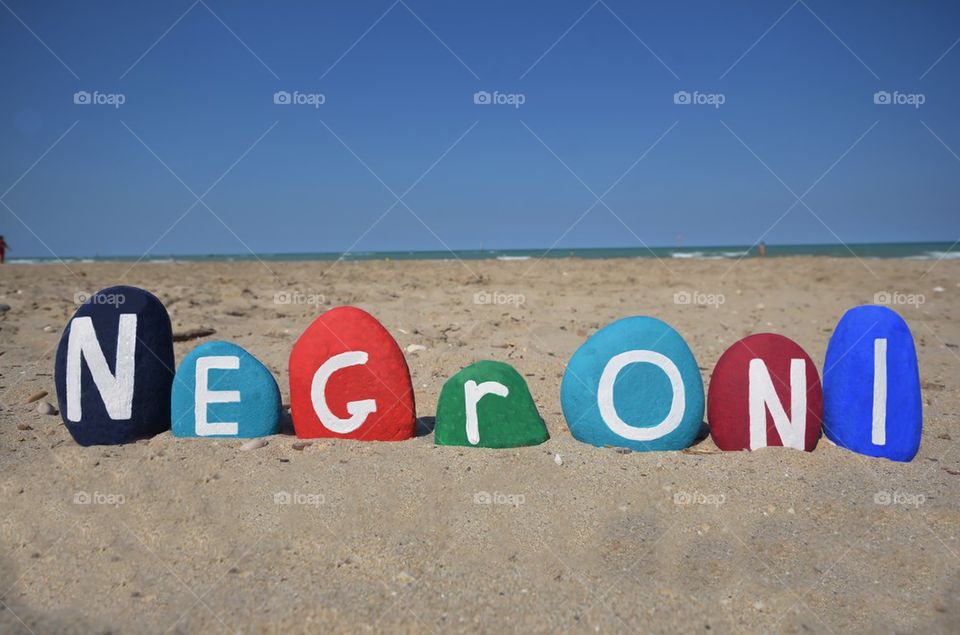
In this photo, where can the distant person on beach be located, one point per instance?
(3, 250)
(762, 249)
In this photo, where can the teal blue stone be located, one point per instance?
(643, 394)
(254, 409)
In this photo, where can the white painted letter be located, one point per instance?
(763, 396)
(359, 410)
(879, 431)
(116, 391)
(472, 393)
(204, 396)
(609, 412)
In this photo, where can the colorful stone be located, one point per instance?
(871, 385)
(765, 391)
(488, 405)
(634, 384)
(221, 390)
(349, 380)
(114, 368)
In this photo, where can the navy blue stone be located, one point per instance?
(152, 363)
(848, 385)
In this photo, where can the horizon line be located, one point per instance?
(543, 251)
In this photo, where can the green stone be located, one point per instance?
(506, 416)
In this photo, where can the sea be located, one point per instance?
(909, 251)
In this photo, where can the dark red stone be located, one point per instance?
(384, 378)
(728, 398)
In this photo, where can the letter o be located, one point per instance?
(605, 395)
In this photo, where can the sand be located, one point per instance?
(184, 536)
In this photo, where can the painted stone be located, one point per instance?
(871, 385)
(634, 384)
(488, 405)
(349, 380)
(114, 368)
(764, 392)
(221, 390)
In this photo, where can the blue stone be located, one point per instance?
(618, 388)
(114, 368)
(861, 412)
(238, 395)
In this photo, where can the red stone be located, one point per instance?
(383, 378)
(728, 398)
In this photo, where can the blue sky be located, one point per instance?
(398, 80)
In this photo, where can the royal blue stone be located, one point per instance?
(153, 368)
(848, 384)
(256, 414)
(642, 391)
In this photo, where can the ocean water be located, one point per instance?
(910, 251)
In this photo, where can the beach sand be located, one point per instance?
(391, 536)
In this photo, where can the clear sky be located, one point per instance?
(598, 119)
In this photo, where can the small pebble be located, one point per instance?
(415, 348)
(253, 444)
(299, 445)
(404, 578)
(192, 334)
(24, 426)
(37, 396)
(46, 408)
(938, 289)
(49, 329)
(4, 308)
(557, 459)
